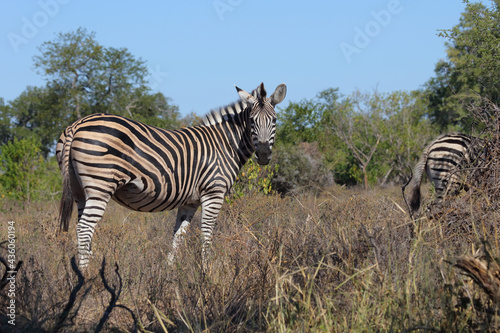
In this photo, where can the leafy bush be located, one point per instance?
(300, 166)
(25, 174)
(253, 179)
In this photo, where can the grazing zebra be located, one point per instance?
(150, 169)
(442, 160)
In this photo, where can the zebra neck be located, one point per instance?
(233, 123)
(235, 136)
(238, 127)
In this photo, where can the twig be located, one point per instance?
(9, 274)
(72, 297)
(113, 293)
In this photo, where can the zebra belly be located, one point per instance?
(141, 196)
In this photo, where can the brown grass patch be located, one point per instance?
(340, 261)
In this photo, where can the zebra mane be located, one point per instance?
(220, 115)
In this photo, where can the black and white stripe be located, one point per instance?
(442, 161)
(150, 169)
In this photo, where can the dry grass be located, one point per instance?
(340, 261)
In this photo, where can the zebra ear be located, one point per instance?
(278, 95)
(262, 91)
(246, 96)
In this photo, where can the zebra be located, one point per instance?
(150, 169)
(442, 161)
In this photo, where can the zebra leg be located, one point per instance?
(89, 214)
(184, 216)
(210, 207)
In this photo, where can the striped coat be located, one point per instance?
(443, 160)
(150, 169)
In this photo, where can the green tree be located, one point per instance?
(83, 77)
(359, 122)
(469, 77)
(5, 123)
(298, 122)
(95, 78)
(73, 63)
(37, 113)
(373, 137)
(305, 153)
(22, 167)
(337, 155)
(407, 130)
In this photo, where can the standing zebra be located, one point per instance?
(149, 169)
(443, 160)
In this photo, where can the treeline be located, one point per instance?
(373, 138)
(82, 77)
(363, 138)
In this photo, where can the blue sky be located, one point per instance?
(197, 50)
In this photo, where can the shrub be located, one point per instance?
(300, 167)
(22, 166)
(253, 179)
(24, 174)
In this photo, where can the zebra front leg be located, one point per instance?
(90, 212)
(184, 216)
(210, 208)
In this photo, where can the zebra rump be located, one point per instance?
(442, 161)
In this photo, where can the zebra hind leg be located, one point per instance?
(90, 212)
(184, 216)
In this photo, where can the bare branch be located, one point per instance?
(115, 293)
(9, 274)
(72, 298)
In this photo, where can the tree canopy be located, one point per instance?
(469, 76)
(83, 77)
(356, 138)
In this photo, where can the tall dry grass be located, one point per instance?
(343, 260)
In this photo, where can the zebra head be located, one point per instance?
(262, 119)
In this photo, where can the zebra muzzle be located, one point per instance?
(263, 153)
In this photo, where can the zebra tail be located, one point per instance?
(66, 204)
(413, 197)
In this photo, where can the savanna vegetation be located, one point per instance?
(320, 240)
